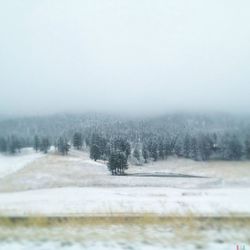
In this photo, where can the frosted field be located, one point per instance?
(94, 201)
(77, 170)
(75, 186)
(10, 164)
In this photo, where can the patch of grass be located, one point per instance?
(187, 220)
(146, 228)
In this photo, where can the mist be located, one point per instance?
(134, 57)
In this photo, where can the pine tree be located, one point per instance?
(112, 163)
(231, 147)
(101, 143)
(36, 144)
(3, 145)
(205, 147)
(194, 148)
(235, 148)
(145, 154)
(44, 145)
(247, 147)
(154, 152)
(122, 145)
(95, 152)
(77, 141)
(186, 146)
(63, 146)
(117, 163)
(161, 150)
(167, 149)
(13, 144)
(136, 154)
(177, 149)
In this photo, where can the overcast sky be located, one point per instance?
(124, 55)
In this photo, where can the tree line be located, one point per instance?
(201, 147)
(119, 141)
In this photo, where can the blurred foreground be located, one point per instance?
(145, 232)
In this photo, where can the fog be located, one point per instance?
(129, 56)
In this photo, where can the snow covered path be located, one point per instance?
(12, 163)
(111, 201)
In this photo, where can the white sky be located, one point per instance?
(117, 55)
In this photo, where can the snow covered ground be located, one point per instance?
(12, 163)
(77, 170)
(92, 201)
(177, 234)
(74, 185)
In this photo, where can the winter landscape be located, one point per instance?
(177, 187)
(124, 125)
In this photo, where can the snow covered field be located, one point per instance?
(94, 201)
(77, 170)
(75, 186)
(12, 163)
